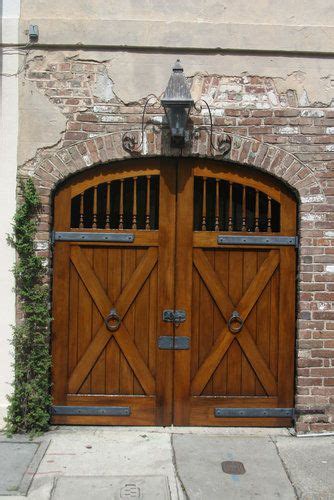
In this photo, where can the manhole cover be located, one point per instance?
(233, 467)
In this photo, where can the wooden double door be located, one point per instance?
(173, 296)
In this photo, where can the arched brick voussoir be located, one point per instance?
(278, 162)
(244, 150)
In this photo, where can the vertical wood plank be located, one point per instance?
(141, 321)
(235, 292)
(167, 221)
(206, 326)
(98, 376)
(114, 275)
(263, 322)
(248, 375)
(220, 375)
(183, 287)
(126, 372)
(85, 322)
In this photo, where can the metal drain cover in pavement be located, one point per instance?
(111, 487)
(233, 467)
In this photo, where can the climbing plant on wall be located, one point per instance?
(30, 400)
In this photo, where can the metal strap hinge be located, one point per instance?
(92, 236)
(257, 240)
(105, 411)
(254, 412)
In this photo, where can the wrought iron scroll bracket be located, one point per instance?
(224, 141)
(129, 141)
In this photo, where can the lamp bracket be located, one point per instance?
(133, 144)
(129, 141)
(224, 142)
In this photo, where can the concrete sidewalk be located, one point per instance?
(171, 463)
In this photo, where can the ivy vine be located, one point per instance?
(30, 400)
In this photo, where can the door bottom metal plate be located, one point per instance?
(106, 411)
(254, 412)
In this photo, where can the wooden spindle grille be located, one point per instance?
(129, 203)
(221, 205)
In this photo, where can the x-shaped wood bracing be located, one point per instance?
(104, 305)
(226, 307)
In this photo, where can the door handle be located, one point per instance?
(113, 320)
(233, 319)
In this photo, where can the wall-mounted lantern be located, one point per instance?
(177, 103)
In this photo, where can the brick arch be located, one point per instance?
(245, 151)
(55, 169)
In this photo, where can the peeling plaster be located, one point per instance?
(41, 123)
(103, 88)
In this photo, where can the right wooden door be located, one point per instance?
(235, 278)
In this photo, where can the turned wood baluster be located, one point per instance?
(121, 206)
(244, 227)
(217, 206)
(204, 205)
(148, 203)
(94, 226)
(107, 226)
(269, 215)
(134, 208)
(230, 207)
(257, 229)
(81, 222)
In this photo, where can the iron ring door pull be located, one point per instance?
(235, 318)
(112, 321)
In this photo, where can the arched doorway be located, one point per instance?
(174, 296)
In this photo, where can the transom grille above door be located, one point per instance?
(127, 203)
(222, 205)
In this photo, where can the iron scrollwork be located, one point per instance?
(129, 141)
(224, 141)
(132, 144)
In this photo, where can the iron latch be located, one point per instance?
(173, 343)
(170, 316)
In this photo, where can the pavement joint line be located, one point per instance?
(178, 477)
(285, 468)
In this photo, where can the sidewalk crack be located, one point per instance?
(295, 490)
(176, 469)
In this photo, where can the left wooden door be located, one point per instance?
(114, 247)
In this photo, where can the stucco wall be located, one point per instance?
(9, 133)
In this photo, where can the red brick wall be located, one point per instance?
(270, 131)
